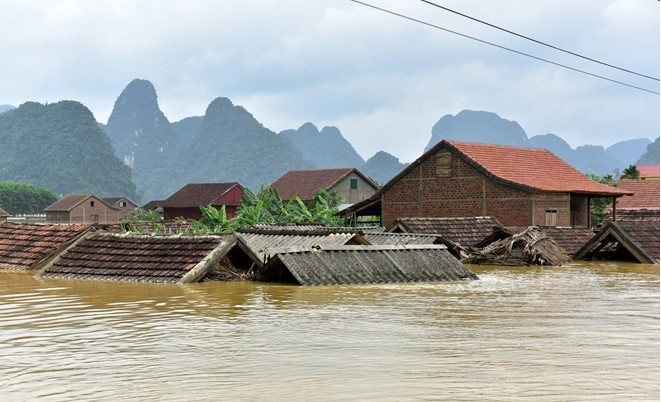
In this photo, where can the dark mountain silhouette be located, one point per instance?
(187, 128)
(327, 149)
(651, 155)
(382, 167)
(60, 147)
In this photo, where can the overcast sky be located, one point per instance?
(383, 80)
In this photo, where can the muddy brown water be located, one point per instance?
(583, 332)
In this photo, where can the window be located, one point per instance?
(353, 184)
(122, 204)
(444, 164)
(91, 203)
(551, 216)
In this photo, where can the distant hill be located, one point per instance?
(231, 145)
(651, 155)
(628, 151)
(59, 146)
(327, 149)
(4, 108)
(382, 167)
(477, 126)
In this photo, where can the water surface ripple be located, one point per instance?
(587, 332)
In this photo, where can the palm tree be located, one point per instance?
(630, 173)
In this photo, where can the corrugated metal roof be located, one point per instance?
(365, 264)
(260, 243)
(387, 238)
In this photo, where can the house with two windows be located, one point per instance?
(518, 186)
(349, 183)
(186, 202)
(88, 208)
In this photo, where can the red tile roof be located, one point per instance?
(22, 246)
(534, 168)
(196, 194)
(645, 194)
(305, 183)
(648, 170)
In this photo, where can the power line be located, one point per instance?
(537, 41)
(502, 47)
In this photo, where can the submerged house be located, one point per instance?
(517, 186)
(643, 204)
(456, 233)
(138, 258)
(363, 264)
(349, 183)
(624, 241)
(186, 202)
(30, 246)
(568, 238)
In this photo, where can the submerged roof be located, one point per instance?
(26, 246)
(113, 257)
(639, 239)
(570, 239)
(305, 183)
(365, 264)
(4, 213)
(389, 238)
(464, 231)
(259, 242)
(198, 194)
(645, 194)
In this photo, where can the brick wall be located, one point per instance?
(449, 187)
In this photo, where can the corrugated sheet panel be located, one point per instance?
(385, 238)
(366, 264)
(259, 244)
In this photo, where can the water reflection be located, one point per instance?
(585, 331)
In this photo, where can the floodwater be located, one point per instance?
(583, 332)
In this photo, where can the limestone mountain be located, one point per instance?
(326, 148)
(382, 167)
(477, 126)
(138, 128)
(231, 145)
(59, 146)
(628, 151)
(651, 155)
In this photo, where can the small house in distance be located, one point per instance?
(82, 208)
(516, 185)
(186, 202)
(349, 183)
(123, 204)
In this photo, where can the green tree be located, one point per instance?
(21, 198)
(630, 173)
(598, 205)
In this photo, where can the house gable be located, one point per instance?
(350, 184)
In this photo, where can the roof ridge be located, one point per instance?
(496, 145)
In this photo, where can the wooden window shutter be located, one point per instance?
(444, 164)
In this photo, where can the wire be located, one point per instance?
(502, 47)
(537, 41)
